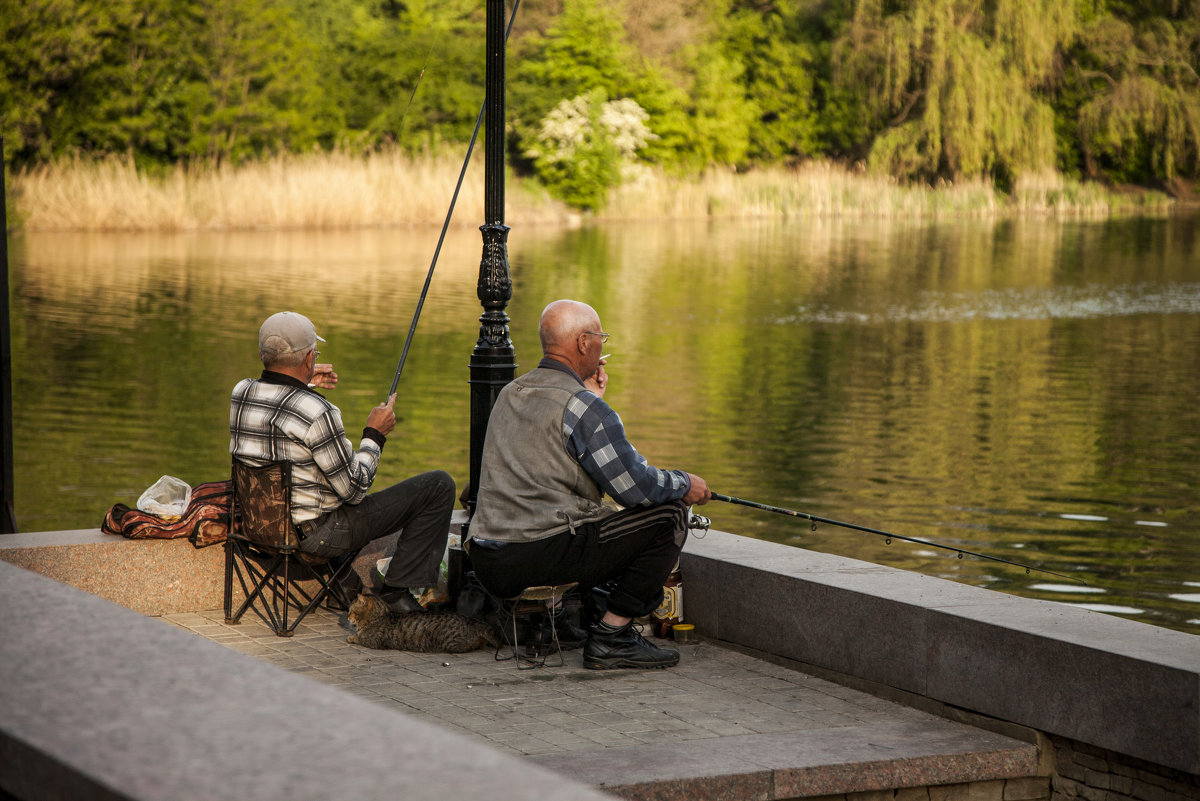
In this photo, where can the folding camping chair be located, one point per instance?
(263, 550)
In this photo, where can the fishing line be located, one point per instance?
(445, 225)
(890, 536)
(416, 86)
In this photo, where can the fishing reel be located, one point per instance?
(699, 524)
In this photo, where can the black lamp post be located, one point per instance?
(8, 522)
(493, 360)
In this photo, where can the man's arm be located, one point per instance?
(596, 438)
(351, 473)
(348, 472)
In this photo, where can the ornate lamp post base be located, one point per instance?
(493, 361)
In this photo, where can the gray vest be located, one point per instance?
(530, 486)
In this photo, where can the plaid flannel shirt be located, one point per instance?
(595, 436)
(277, 418)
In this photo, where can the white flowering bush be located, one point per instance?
(586, 145)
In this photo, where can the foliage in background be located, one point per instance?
(1135, 78)
(952, 88)
(917, 89)
(585, 146)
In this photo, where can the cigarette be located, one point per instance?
(605, 356)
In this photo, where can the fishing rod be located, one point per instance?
(446, 224)
(889, 535)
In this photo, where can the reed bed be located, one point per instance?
(824, 189)
(342, 190)
(318, 190)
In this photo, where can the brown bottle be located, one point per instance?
(670, 611)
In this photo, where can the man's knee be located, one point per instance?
(446, 485)
(679, 520)
(440, 485)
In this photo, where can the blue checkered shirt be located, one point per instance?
(595, 436)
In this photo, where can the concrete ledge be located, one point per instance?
(1116, 684)
(103, 703)
(835, 761)
(154, 577)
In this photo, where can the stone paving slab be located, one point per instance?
(720, 724)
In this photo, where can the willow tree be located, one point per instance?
(950, 88)
(1140, 89)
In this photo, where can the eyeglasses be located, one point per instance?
(603, 336)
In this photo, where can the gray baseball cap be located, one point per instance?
(287, 332)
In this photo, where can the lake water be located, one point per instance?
(1027, 389)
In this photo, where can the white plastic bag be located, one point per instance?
(167, 497)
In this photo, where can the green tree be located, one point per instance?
(780, 81)
(133, 99)
(1136, 80)
(583, 49)
(719, 114)
(951, 87)
(158, 79)
(923, 89)
(577, 153)
(376, 56)
(692, 90)
(256, 90)
(46, 48)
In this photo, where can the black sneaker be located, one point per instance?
(400, 600)
(570, 636)
(625, 648)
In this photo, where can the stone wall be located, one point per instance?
(1007, 790)
(1094, 774)
(154, 577)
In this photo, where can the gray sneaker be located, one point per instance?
(625, 648)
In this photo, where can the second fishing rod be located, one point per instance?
(814, 519)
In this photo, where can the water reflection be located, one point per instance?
(1058, 303)
(1021, 388)
(1111, 609)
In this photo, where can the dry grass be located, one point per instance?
(338, 190)
(320, 190)
(822, 189)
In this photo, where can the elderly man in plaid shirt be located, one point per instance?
(554, 448)
(280, 417)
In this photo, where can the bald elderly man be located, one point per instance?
(280, 416)
(554, 449)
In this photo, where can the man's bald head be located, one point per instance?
(561, 324)
(570, 333)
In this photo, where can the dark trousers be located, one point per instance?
(635, 548)
(420, 505)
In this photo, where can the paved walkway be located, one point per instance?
(720, 724)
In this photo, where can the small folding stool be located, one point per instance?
(531, 602)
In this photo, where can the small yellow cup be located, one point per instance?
(684, 633)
